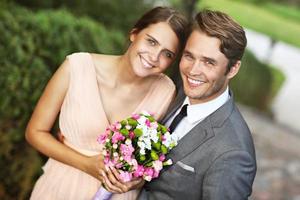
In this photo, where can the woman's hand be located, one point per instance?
(112, 182)
(95, 167)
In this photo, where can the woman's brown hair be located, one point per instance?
(176, 20)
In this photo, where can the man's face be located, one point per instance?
(203, 68)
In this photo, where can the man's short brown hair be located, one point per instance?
(222, 26)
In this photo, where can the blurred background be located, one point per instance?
(35, 37)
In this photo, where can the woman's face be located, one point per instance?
(152, 49)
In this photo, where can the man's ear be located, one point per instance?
(234, 70)
(132, 35)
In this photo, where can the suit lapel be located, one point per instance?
(191, 141)
(174, 105)
(201, 132)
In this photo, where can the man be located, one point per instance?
(215, 157)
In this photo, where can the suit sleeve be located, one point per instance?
(230, 177)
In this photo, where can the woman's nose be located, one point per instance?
(154, 55)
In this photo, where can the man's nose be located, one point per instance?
(196, 68)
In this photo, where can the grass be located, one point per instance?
(288, 12)
(279, 22)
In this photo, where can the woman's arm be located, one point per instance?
(44, 115)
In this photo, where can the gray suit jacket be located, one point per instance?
(215, 160)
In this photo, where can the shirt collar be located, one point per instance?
(198, 112)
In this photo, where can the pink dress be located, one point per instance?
(81, 120)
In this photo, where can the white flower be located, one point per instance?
(128, 127)
(147, 143)
(115, 154)
(142, 152)
(168, 162)
(115, 146)
(148, 178)
(153, 135)
(142, 120)
(128, 141)
(167, 139)
(145, 113)
(170, 140)
(144, 129)
(157, 165)
(141, 144)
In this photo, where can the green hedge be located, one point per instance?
(32, 45)
(256, 83)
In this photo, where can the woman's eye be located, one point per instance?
(151, 42)
(168, 55)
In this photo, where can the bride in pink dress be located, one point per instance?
(90, 91)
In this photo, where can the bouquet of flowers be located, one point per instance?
(136, 147)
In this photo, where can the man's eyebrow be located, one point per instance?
(210, 60)
(187, 52)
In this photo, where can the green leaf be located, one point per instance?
(124, 132)
(164, 149)
(154, 155)
(132, 122)
(138, 132)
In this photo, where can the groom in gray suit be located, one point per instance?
(215, 157)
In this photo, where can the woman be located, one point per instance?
(93, 90)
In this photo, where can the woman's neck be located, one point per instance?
(125, 73)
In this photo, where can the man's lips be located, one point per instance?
(194, 82)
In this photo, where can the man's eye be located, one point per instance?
(188, 57)
(210, 63)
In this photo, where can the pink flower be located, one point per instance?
(134, 163)
(119, 165)
(139, 171)
(148, 123)
(135, 116)
(117, 137)
(127, 151)
(102, 139)
(149, 171)
(131, 135)
(155, 174)
(106, 160)
(125, 176)
(118, 125)
(154, 125)
(151, 113)
(162, 157)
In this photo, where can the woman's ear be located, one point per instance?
(234, 69)
(133, 34)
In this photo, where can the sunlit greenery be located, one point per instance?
(37, 35)
(262, 18)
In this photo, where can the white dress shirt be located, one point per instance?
(196, 113)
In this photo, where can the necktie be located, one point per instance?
(178, 118)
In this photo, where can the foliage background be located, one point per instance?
(35, 38)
